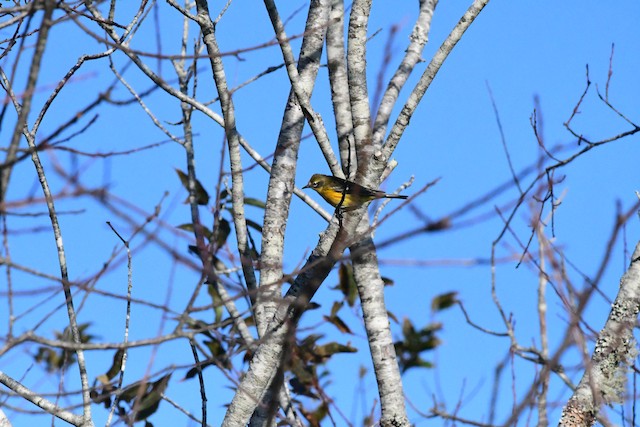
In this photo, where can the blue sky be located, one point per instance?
(520, 50)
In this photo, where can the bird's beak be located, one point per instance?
(306, 186)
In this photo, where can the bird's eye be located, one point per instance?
(315, 184)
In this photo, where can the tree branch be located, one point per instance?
(316, 28)
(336, 59)
(413, 55)
(36, 399)
(376, 321)
(262, 369)
(429, 74)
(283, 172)
(604, 378)
(233, 140)
(358, 92)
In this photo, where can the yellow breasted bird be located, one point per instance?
(332, 189)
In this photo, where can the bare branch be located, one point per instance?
(340, 89)
(413, 55)
(38, 400)
(603, 379)
(429, 74)
(282, 179)
(358, 91)
(317, 29)
(374, 311)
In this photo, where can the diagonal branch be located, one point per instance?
(429, 74)
(36, 399)
(413, 55)
(315, 30)
(25, 108)
(603, 379)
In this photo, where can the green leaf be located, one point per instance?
(200, 194)
(194, 250)
(407, 328)
(338, 323)
(335, 308)
(104, 397)
(191, 373)
(186, 227)
(312, 306)
(148, 404)
(314, 418)
(66, 335)
(254, 202)
(254, 225)
(416, 362)
(303, 388)
(216, 299)
(222, 232)
(215, 347)
(414, 343)
(310, 340)
(51, 359)
(116, 365)
(305, 374)
(189, 227)
(197, 324)
(57, 359)
(347, 283)
(392, 316)
(131, 391)
(332, 348)
(444, 301)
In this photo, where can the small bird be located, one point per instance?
(335, 190)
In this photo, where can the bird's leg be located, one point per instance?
(339, 212)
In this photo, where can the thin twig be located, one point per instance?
(203, 393)
(123, 362)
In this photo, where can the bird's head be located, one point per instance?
(316, 181)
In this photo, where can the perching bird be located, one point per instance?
(336, 190)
